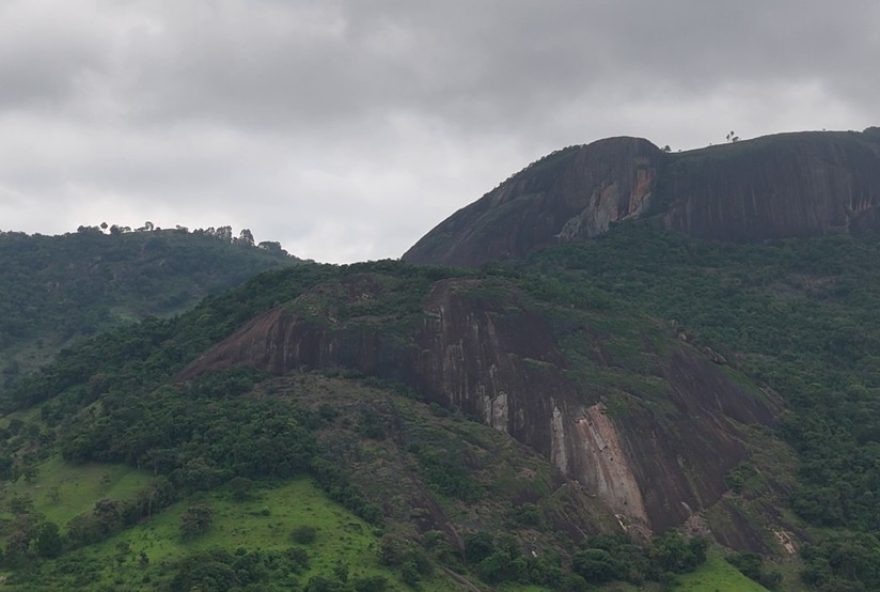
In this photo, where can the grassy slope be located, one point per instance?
(77, 487)
(717, 575)
(341, 536)
(621, 352)
(264, 522)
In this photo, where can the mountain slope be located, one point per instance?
(556, 421)
(486, 347)
(177, 398)
(683, 408)
(54, 289)
(787, 185)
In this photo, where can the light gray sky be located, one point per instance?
(346, 129)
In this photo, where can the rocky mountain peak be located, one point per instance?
(780, 186)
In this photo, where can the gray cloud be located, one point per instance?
(347, 128)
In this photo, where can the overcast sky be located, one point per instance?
(346, 129)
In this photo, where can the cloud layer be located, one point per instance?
(347, 128)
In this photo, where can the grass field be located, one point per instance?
(717, 575)
(60, 490)
(264, 522)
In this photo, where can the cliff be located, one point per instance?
(654, 454)
(773, 187)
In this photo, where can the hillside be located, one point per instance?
(773, 187)
(644, 410)
(55, 289)
(628, 385)
(298, 367)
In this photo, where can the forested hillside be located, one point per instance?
(54, 289)
(452, 503)
(758, 360)
(798, 316)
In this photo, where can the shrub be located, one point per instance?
(304, 535)
(196, 520)
(370, 584)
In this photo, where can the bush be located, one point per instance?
(196, 520)
(241, 489)
(48, 541)
(298, 559)
(391, 551)
(597, 566)
(752, 566)
(527, 515)
(478, 546)
(672, 552)
(573, 583)
(370, 584)
(304, 535)
(409, 573)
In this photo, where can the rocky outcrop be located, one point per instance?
(603, 462)
(572, 194)
(779, 186)
(774, 187)
(483, 350)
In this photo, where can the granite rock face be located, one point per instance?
(776, 187)
(779, 186)
(571, 194)
(498, 360)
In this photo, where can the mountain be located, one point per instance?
(489, 348)
(458, 412)
(56, 289)
(644, 410)
(773, 187)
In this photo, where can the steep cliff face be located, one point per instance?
(484, 349)
(777, 186)
(572, 194)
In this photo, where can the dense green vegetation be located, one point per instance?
(114, 400)
(717, 574)
(599, 560)
(797, 315)
(247, 543)
(183, 457)
(54, 289)
(752, 566)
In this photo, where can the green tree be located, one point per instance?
(196, 520)
(596, 565)
(304, 535)
(370, 584)
(48, 542)
(241, 488)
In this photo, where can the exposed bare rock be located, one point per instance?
(778, 186)
(570, 195)
(775, 187)
(604, 463)
(495, 358)
(786, 540)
